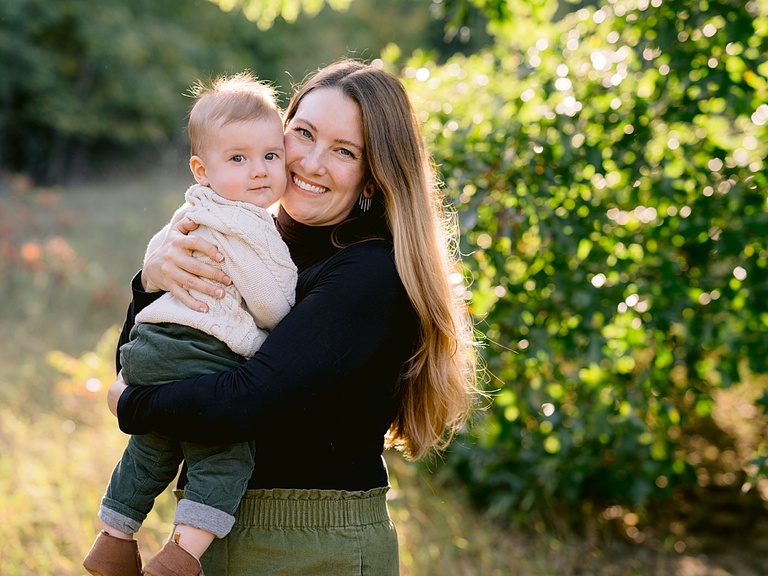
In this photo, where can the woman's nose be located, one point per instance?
(314, 160)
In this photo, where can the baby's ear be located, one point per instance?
(197, 166)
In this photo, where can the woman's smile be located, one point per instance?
(304, 185)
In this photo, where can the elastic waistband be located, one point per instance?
(289, 508)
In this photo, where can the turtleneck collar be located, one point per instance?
(307, 244)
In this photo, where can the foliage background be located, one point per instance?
(610, 176)
(86, 81)
(607, 163)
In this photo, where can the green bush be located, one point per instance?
(609, 172)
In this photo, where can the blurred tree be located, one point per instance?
(365, 30)
(609, 171)
(84, 80)
(265, 12)
(83, 76)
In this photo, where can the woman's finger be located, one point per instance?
(195, 243)
(184, 261)
(172, 267)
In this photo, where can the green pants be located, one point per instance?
(217, 474)
(161, 353)
(307, 533)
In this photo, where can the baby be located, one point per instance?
(238, 161)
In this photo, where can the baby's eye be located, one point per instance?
(270, 156)
(238, 158)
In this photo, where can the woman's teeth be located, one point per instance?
(308, 187)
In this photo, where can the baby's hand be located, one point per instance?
(114, 393)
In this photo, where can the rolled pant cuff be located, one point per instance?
(203, 517)
(118, 521)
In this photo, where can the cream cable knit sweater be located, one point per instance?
(255, 258)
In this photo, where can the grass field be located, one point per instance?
(67, 257)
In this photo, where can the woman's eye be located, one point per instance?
(304, 132)
(238, 158)
(345, 152)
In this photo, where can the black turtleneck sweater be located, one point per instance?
(322, 391)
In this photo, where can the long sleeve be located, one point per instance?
(331, 333)
(321, 392)
(139, 301)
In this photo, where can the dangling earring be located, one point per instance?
(365, 200)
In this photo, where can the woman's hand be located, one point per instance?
(172, 268)
(114, 393)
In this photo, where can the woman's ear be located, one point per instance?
(369, 189)
(197, 166)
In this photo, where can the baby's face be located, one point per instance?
(245, 161)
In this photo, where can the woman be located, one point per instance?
(377, 352)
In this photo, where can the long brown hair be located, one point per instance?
(439, 383)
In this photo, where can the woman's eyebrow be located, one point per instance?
(337, 140)
(349, 143)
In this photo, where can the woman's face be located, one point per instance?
(323, 158)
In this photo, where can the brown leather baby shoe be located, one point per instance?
(111, 556)
(173, 560)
